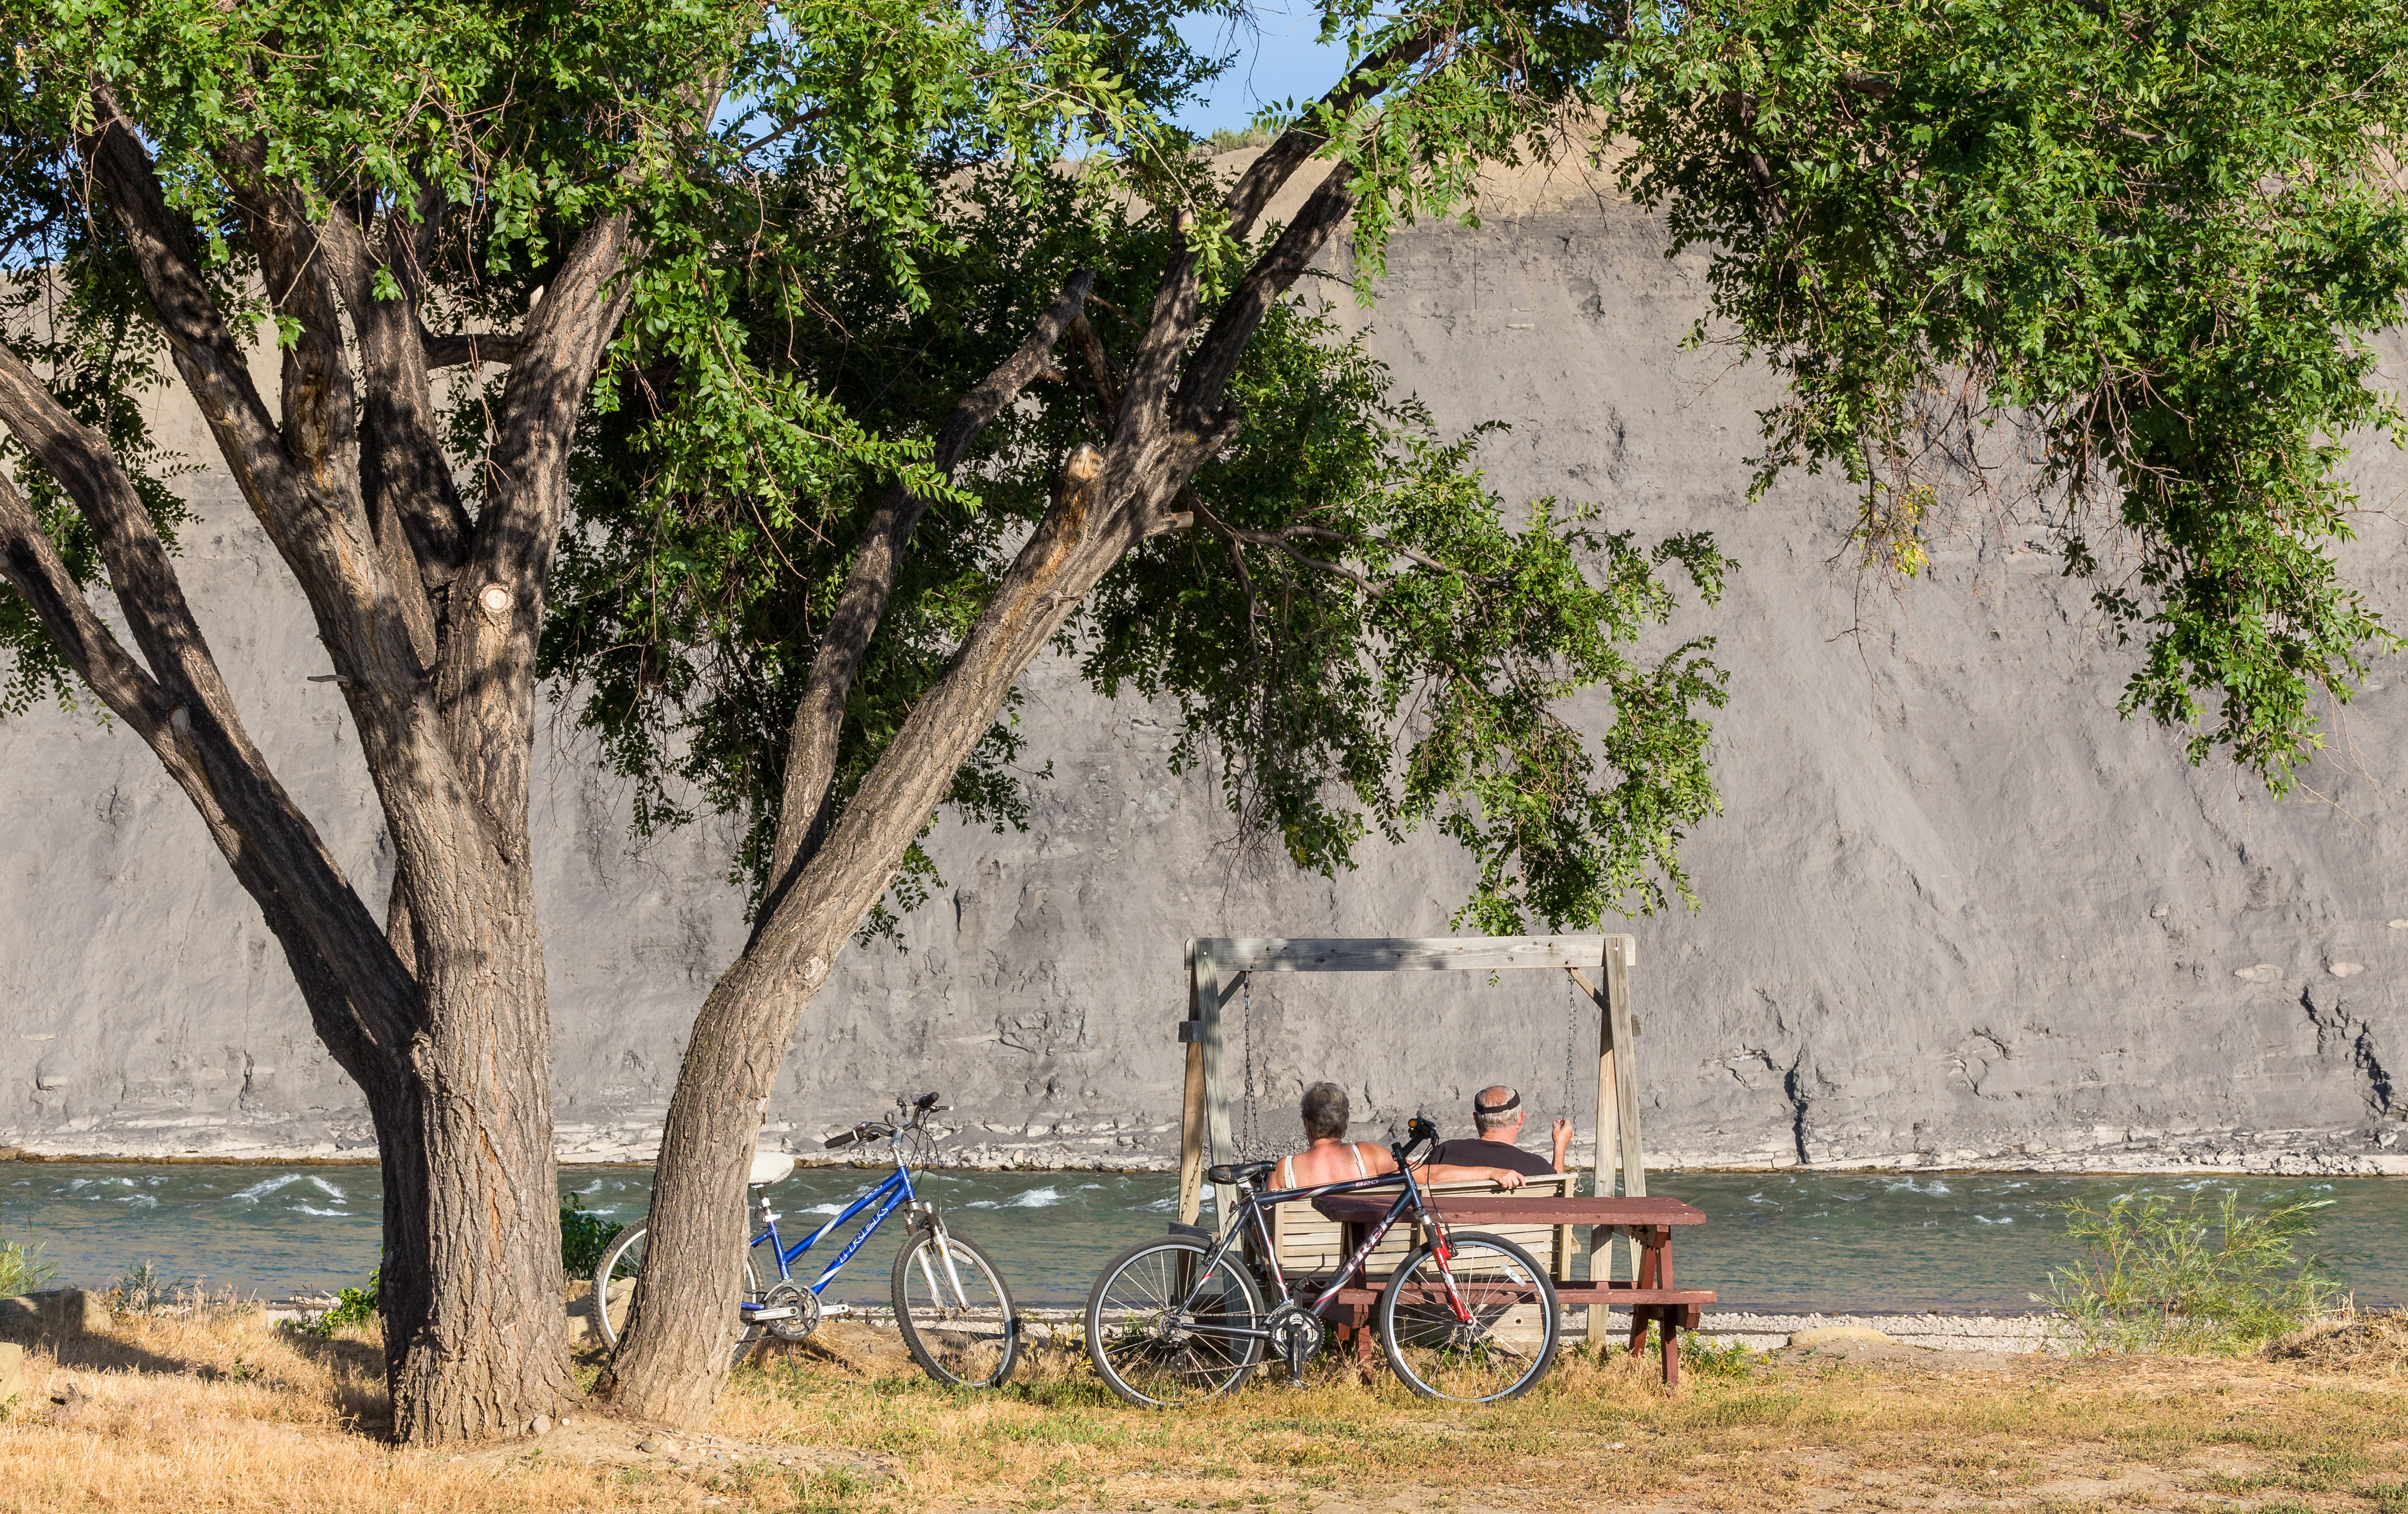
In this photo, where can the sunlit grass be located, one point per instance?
(221, 1411)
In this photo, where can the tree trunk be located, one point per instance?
(683, 1313)
(476, 1339)
(674, 1361)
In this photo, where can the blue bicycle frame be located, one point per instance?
(895, 1190)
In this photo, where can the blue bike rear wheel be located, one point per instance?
(615, 1287)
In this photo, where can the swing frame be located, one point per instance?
(1204, 1114)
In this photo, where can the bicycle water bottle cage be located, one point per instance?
(1234, 1172)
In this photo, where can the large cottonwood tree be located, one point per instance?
(2156, 237)
(396, 189)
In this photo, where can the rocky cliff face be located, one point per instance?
(1958, 912)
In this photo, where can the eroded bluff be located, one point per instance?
(1957, 911)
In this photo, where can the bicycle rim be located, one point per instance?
(954, 1311)
(1154, 1355)
(615, 1287)
(1500, 1351)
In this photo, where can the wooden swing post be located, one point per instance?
(1617, 1101)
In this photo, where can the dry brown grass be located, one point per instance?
(228, 1413)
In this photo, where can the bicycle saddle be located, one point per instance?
(1237, 1172)
(769, 1167)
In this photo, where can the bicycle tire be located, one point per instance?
(1438, 1356)
(953, 1339)
(1145, 1365)
(623, 1260)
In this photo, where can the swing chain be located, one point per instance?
(1248, 1125)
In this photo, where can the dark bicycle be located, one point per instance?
(1468, 1316)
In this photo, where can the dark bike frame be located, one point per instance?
(1252, 1211)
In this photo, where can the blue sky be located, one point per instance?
(1279, 60)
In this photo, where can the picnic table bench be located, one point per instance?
(1650, 1298)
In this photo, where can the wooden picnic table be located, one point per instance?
(1650, 1298)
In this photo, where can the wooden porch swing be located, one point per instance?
(1598, 965)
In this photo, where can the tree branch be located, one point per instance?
(485, 677)
(212, 365)
(1175, 311)
(807, 797)
(1208, 373)
(312, 514)
(471, 348)
(405, 482)
(321, 427)
(1100, 371)
(182, 709)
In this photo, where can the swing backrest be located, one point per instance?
(1309, 1242)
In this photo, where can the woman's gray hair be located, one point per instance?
(1325, 1112)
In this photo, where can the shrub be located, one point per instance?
(1226, 140)
(2203, 1277)
(21, 1269)
(141, 1291)
(351, 1307)
(584, 1235)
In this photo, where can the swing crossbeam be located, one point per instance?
(1402, 954)
(1598, 965)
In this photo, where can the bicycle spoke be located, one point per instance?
(954, 1312)
(1503, 1347)
(1161, 1343)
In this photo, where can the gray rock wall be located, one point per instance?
(1956, 910)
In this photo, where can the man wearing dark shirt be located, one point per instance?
(1498, 1116)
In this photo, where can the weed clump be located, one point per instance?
(21, 1269)
(141, 1291)
(2211, 1277)
(584, 1235)
(351, 1307)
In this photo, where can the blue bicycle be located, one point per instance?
(951, 1303)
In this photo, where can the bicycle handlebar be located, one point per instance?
(868, 1131)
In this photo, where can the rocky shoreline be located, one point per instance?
(2370, 1152)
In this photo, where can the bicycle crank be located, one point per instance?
(1297, 1335)
(788, 1311)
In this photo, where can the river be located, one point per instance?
(1786, 1242)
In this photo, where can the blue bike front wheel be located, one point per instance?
(954, 1311)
